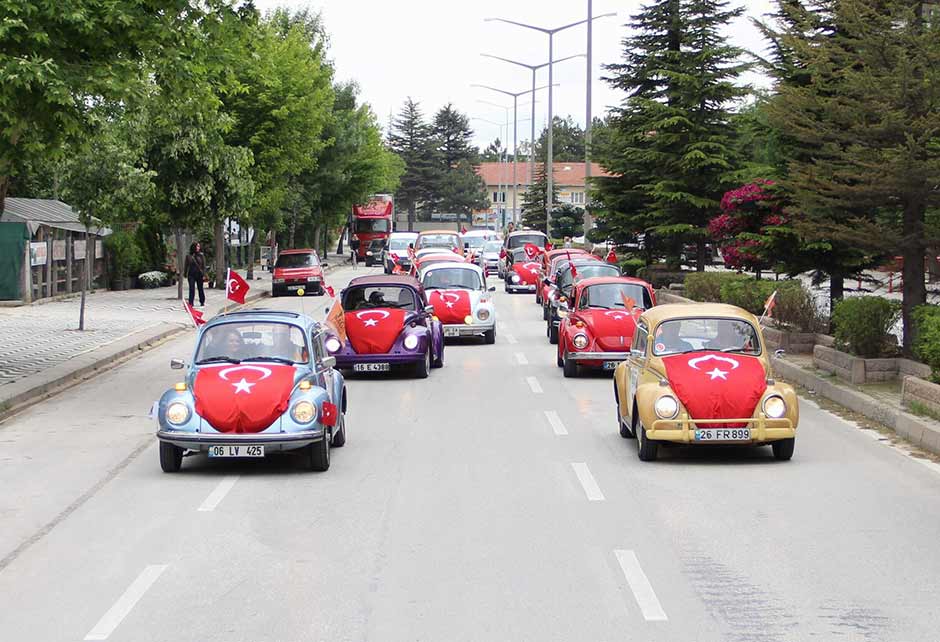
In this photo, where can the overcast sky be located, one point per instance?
(430, 50)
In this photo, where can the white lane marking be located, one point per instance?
(591, 489)
(511, 340)
(534, 384)
(555, 422)
(116, 614)
(216, 496)
(640, 585)
(521, 359)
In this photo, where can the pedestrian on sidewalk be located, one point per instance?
(195, 270)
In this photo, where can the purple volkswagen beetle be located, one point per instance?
(388, 323)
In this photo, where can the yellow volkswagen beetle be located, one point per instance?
(700, 374)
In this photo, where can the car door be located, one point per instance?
(636, 363)
(322, 376)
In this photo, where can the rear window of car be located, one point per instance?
(492, 246)
(399, 244)
(437, 240)
(297, 260)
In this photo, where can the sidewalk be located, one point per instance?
(42, 349)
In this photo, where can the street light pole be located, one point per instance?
(588, 219)
(551, 36)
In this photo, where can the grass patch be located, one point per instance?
(923, 410)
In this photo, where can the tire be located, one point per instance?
(558, 360)
(648, 450)
(171, 457)
(570, 367)
(275, 293)
(538, 297)
(508, 291)
(320, 291)
(489, 337)
(783, 449)
(423, 367)
(544, 312)
(316, 456)
(339, 439)
(624, 431)
(552, 333)
(439, 361)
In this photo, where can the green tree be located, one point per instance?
(567, 141)
(413, 140)
(458, 187)
(535, 198)
(567, 220)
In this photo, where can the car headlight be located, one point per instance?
(333, 344)
(278, 280)
(177, 413)
(483, 314)
(580, 341)
(303, 412)
(515, 278)
(775, 407)
(411, 342)
(666, 407)
(369, 253)
(562, 313)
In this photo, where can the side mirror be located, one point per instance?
(779, 353)
(177, 364)
(546, 281)
(429, 309)
(324, 264)
(328, 362)
(491, 289)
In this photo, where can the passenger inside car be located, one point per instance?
(668, 340)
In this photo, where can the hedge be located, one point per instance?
(927, 339)
(862, 325)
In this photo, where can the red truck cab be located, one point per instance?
(369, 228)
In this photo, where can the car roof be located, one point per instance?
(656, 315)
(385, 279)
(479, 233)
(564, 252)
(399, 235)
(454, 264)
(256, 315)
(298, 251)
(607, 280)
(518, 232)
(439, 232)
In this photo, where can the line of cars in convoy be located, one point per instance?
(683, 374)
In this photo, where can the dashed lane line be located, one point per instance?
(534, 385)
(218, 494)
(125, 604)
(640, 585)
(521, 359)
(510, 339)
(588, 483)
(555, 422)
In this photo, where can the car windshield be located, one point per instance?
(437, 240)
(492, 246)
(297, 260)
(704, 334)
(254, 341)
(452, 278)
(610, 296)
(372, 225)
(399, 244)
(521, 239)
(474, 242)
(588, 271)
(385, 296)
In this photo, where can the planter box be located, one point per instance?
(791, 342)
(665, 296)
(920, 391)
(858, 371)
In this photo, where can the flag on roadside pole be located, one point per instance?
(336, 319)
(329, 290)
(194, 315)
(237, 287)
(769, 305)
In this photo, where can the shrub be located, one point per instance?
(154, 279)
(631, 266)
(706, 286)
(660, 278)
(862, 325)
(927, 339)
(796, 308)
(124, 256)
(748, 293)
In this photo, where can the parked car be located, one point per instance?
(583, 268)
(259, 383)
(461, 300)
(596, 331)
(396, 251)
(701, 375)
(389, 323)
(296, 269)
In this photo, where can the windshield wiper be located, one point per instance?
(274, 359)
(219, 359)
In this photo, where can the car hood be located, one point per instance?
(715, 385)
(374, 331)
(296, 273)
(528, 272)
(612, 329)
(243, 398)
(454, 306)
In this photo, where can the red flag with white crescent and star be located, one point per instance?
(450, 306)
(243, 398)
(528, 272)
(717, 386)
(237, 286)
(374, 331)
(194, 315)
(531, 251)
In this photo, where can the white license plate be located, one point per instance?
(451, 332)
(723, 434)
(293, 288)
(236, 451)
(371, 367)
(611, 365)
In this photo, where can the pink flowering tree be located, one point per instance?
(745, 228)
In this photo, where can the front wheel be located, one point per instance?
(489, 337)
(171, 457)
(339, 438)
(648, 450)
(423, 367)
(552, 333)
(316, 456)
(783, 449)
(570, 367)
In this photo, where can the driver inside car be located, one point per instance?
(285, 347)
(668, 340)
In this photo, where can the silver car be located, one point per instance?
(488, 258)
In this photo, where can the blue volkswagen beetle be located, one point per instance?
(260, 383)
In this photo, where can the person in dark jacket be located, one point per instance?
(195, 271)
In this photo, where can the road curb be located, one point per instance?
(920, 431)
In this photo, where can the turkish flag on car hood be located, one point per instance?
(713, 385)
(374, 331)
(612, 329)
(451, 306)
(243, 398)
(528, 272)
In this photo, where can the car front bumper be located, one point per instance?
(274, 442)
(763, 430)
(463, 330)
(599, 357)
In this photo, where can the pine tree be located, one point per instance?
(458, 186)
(535, 198)
(413, 140)
(567, 220)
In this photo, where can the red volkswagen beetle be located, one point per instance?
(596, 332)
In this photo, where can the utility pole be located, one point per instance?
(588, 219)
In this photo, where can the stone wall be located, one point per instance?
(920, 391)
(791, 342)
(841, 364)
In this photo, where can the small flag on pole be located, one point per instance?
(329, 290)
(769, 305)
(194, 315)
(336, 319)
(237, 287)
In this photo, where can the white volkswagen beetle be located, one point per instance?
(461, 299)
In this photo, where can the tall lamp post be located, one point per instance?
(549, 163)
(499, 170)
(515, 137)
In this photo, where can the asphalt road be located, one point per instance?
(493, 501)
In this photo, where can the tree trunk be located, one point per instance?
(411, 217)
(251, 258)
(914, 249)
(700, 255)
(836, 293)
(933, 263)
(339, 245)
(219, 238)
(178, 237)
(293, 226)
(4, 187)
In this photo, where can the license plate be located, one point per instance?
(236, 451)
(293, 288)
(611, 365)
(723, 434)
(371, 367)
(451, 332)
